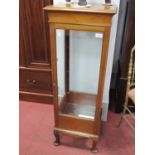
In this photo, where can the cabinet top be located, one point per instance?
(102, 9)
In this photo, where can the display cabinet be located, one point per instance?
(79, 38)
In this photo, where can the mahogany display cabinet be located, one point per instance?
(79, 38)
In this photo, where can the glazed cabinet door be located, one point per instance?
(36, 37)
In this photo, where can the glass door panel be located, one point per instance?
(78, 63)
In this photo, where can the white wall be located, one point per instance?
(81, 69)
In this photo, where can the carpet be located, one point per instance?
(36, 134)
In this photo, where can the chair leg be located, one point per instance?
(124, 111)
(57, 138)
(120, 121)
(94, 148)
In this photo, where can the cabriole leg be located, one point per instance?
(57, 138)
(94, 148)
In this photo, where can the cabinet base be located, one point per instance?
(94, 138)
(35, 97)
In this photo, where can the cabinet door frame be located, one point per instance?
(102, 69)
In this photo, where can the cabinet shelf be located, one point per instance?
(77, 104)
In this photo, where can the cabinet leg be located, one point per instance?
(94, 148)
(57, 139)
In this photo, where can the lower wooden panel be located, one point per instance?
(35, 85)
(36, 97)
(75, 124)
(76, 133)
(37, 81)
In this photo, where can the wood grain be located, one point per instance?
(35, 81)
(35, 35)
(79, 18)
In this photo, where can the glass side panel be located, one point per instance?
(78, 63)
(60, 47)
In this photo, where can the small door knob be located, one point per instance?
(28, 81)
(34, 81)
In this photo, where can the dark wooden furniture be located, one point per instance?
(34, 57)
(125, 40)
(78, 113)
